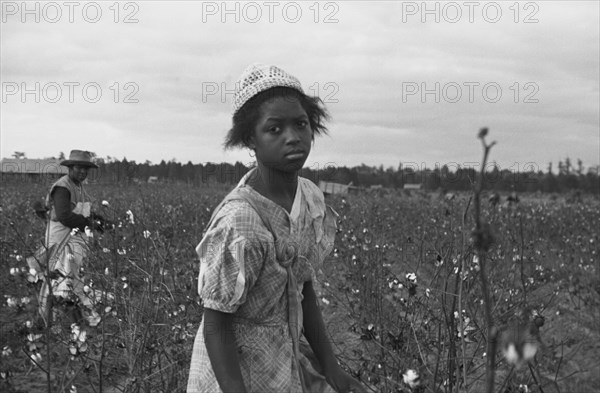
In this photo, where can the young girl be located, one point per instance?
(260, 253)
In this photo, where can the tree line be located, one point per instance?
(566, 177)
(450, 177)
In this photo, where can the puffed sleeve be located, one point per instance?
(324, 219)
(231, 258)
(325, 245)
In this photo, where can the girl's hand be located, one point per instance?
(342, 382)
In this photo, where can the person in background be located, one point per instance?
(262, 329)
(69, 228)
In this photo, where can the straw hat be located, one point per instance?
(257, 78)
(79, 157)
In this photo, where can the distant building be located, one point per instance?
(27, 170)
(26, 166)
(412, 186)
(152, 179)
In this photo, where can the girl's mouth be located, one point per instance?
(295, 156)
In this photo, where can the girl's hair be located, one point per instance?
(245, 119)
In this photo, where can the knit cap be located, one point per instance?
(259, 77)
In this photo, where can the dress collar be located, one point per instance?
(294, 213)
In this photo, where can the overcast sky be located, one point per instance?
(403, 82)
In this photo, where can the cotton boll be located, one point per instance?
(411, 378)
(510, 354)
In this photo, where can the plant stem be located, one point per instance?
(463, 254)
(49, 305)
(523, 284)
(481, 253)
(101, 361)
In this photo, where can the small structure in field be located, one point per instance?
(494, 199)
(330, 188)
(152, 179)
(513, 198)
(449, 196)
(412, 187)
(333, 188)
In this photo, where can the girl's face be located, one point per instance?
(282, 137)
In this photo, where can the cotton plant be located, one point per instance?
(411, 378)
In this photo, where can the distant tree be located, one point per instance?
(550, 183)
(121, 168)
(61, 156)
(493, 177)
(592, 180)
(240, 170)
(343, 175)
(188, 172)
(142, 171)
(568, 165)
(162, 170)
(174, 171)
(561, 168)
(569, 177)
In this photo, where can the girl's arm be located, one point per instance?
(316, 334)
(222, 350)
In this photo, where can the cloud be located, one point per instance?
(361, 65)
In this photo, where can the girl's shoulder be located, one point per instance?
(310, 189)
(238, 215)
(304, 182)
(234, 212)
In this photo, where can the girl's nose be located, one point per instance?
(292, 135)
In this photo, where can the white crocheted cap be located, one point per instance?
(257, 78)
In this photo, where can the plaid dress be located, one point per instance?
(254, 261)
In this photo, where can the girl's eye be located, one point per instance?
(302, 123)
(274, 130)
